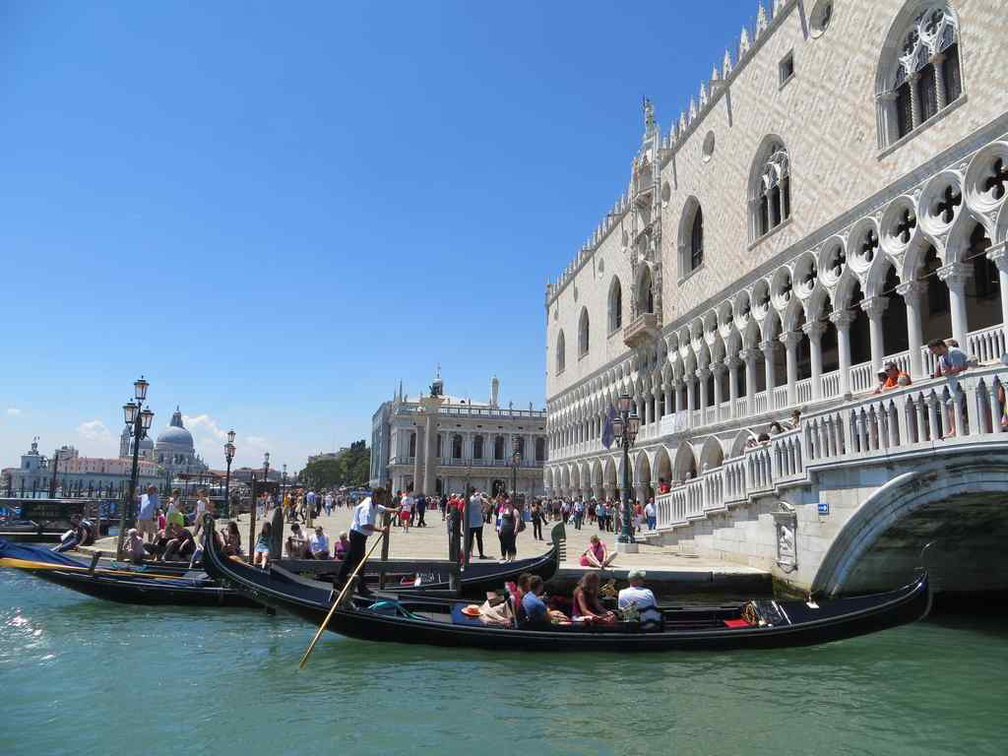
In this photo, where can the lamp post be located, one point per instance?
(625, 427)
(516, 458)
(138, 421)
(229, 452)
(283, 484)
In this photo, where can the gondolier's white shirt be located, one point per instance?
(366, 513)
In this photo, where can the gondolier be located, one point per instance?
(364, 516)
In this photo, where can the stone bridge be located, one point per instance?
(847, 502)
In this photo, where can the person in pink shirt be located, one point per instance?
(597, 555)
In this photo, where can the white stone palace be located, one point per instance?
(832, 199)
(439, 444)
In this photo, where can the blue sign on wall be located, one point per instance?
(823, 507)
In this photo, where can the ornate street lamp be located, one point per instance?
(138, 421)
(516, 458)
(283, 483)
(229, 452)
(625, 427)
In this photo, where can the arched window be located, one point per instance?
(696, 240)
(919, 72)
(412, 444)
(770, 201)
(498, 447)
(456, 446)
(540, 449)
(645, 292)
(478, 447)
(615, 305)
(561, 356)
(583, 333)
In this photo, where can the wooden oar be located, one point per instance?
(346, 587)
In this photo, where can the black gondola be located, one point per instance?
(477, 578)
(439, 622)
(123, 583)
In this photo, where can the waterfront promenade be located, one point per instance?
(665, 564)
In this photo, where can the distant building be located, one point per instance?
(74, 472)
(174, 451)
(440, 443)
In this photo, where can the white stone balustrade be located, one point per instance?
(917, 419)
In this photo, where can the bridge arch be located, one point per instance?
(957, 506)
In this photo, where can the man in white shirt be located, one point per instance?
(318, 543)
(328, 503)
(407, 506)
(643, 598)
(651, 513)
(365, 515)
(148, 510)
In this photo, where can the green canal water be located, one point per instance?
(81, 676)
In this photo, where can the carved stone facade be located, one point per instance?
(832, 199)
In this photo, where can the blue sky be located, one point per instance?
(276, 211)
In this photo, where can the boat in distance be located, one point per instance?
(121, 582)
(435, 621)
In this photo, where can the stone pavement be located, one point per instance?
(661, 563)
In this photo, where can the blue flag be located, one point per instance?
(607, 428)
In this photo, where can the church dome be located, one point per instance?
(175, 434)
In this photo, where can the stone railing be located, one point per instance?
(915, 420)
(984, 345)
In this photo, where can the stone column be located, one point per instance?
(690, 381)
(814, 330)
(768, 370)
(717, 369)
(748, 356)
(790, 341)
(915, 105)
(937, 61)
(955, 275)
(998, 253)
(874, 308)
(911, 292)
(702, 375)
(842, 319)
(417, 456)
(677, 387)
(732, 363)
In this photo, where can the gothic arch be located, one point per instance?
(711, 454)
(615, 305)
(684, 466)
(691, 237)
(561, 353)
(769, 187)
(644, 290)
(583, 333)
(924, 35)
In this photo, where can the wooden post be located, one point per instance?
(386, 531)
(252, 524)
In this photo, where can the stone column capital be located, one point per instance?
(790, 339)
(998, 254)
(911, 291)
(702, 373)
(717, 368)
(814, 330)
(842, 319)
(768, 346)
(732, 361)
(955, 276)
(875, 306)
(748, 355)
